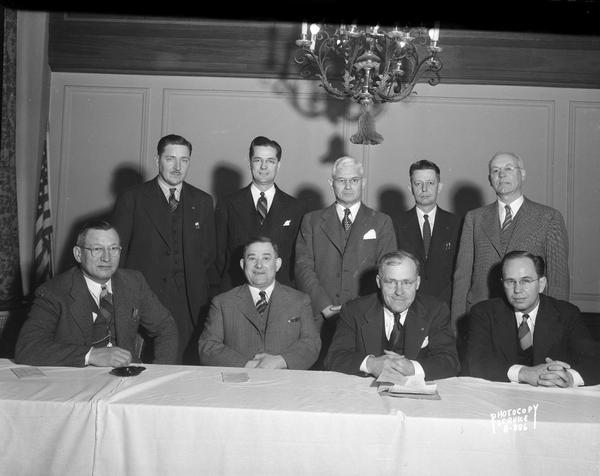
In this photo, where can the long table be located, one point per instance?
(180, 420)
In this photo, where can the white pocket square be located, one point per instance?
(287, 223)
(425, 342)
(370, 235)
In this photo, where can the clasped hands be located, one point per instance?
(263, 360)
(390, 362)
(109, 357)
(552, 373)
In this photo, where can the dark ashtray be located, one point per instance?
(128, 371)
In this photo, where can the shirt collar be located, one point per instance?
(532, 316)
(430, 214)
(269, 194)
(95, 288)
(166, 188)
(514, 205)
(353, 210)
(255, 292)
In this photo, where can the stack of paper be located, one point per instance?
(396, 385)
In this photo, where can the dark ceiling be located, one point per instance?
(543, 16)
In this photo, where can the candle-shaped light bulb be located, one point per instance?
(375, 28)
(434, 34)
(314, 29)
(304, 29)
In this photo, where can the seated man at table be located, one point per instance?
(395, 330)
(89, 315)
(262, 323)
(530, 337)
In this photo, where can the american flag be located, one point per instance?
(42, 251)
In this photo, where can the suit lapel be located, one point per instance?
(82, 305)
(372, 329)
(247, 306)
(416, 326)
(440, 230)
(546, 331)
(122, 305)
(521, 234)
(154, 204)
(331, 227)
(505, 331)
(413, 233)
(246, 212)
(490, 224)
(275, 212)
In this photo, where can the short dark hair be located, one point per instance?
(398, 256)
(260, 239)
(172, 139)
(264, 142)
(92, 225)
(538, 261)
(424, 165)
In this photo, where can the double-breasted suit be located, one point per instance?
(428, 336)
(237, 221)
(233, 334)
(438, 267)
(143, 220)
(58, 330)
(537, 228)
(559, 333)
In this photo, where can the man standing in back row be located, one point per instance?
(338, 248)
(429, 232)
(512, 222)
(167, 232)
(260, 209)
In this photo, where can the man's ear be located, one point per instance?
(440, 187)
(77, 253)
(543, 283)
(277, 264)
(418, 281)
(378, 281)
(242, 263)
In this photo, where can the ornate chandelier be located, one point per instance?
(369, 65)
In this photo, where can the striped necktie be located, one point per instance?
(261, 207)
(106, 310)
(261, 304)
(507, 218)
(525, 339)
(173, 202)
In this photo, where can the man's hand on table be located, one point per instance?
(552, 373)
(267, 361)
(109, 357)
(390, 362)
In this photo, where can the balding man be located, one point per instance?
(512, 222)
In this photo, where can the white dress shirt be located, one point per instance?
(269, 195)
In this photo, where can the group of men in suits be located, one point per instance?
(362, 277)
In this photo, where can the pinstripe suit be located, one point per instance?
(538, 229)
(232, 335)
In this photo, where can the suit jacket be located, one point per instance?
(236, 222)
(437, 269)
(538, 229)
(332, 273)
(145, 240)
(233, 336)
(58, 330)
(428, 336)
(559, 333)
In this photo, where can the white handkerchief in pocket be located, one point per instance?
(425, 342)
(287, 223)
(370, 235)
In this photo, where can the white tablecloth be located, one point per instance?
(184, 420)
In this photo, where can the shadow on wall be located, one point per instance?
(123, 178)
(464, 197)
(226, 180)
(393, 200)
(335, 151)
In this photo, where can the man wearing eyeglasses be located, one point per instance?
(395, 330)
(259, 209)
(528, 337)
(338, 247)
(512, 222)
(167, 230)
(90, 314)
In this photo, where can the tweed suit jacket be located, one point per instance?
(236, 221)
(233, 336)
(428, 336)
(437, 269)
(559, 333)
(538, 229)
(145, 238)
(58, 330)
(332, 273)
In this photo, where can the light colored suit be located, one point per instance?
(233, 334)
(58, 330)
(537, 228)
(332, 273)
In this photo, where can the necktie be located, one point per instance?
(261, 207)
(261, 304)
(507, 218)
(524, 334)
(106, 311)
(426, 234)
(346, 221)
(173, 202)
(396, 340)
